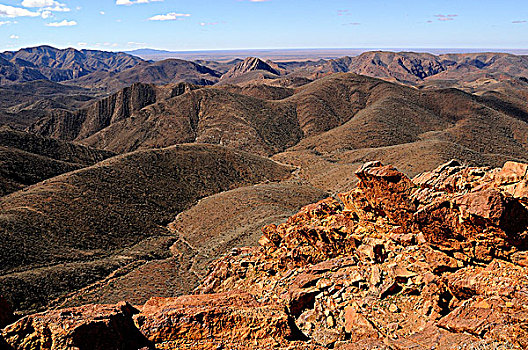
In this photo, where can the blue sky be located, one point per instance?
(260, 24)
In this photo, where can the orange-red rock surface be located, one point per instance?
(436, 262)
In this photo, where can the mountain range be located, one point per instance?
(126, 179)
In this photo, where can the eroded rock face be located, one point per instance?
(227, 320)
(103, 327)
(437, 262)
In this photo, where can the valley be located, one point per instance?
(173, 200)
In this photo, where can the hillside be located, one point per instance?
(23, 104)
(98, 115)
(206, 116)
(215, 225)
(46, 62)
(328, 127)
(434, 262)
(170, 71)
(27, 159)
(77, 228)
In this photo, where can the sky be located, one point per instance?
(177, 25)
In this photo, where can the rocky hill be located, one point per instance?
(82, 123)
(25, 103)
(414, 68)
(438, 261)
(327, 127)
(248, 70)
(75, 229)
(170, 71)
(27, 159)
(46, 62)
(250, 64)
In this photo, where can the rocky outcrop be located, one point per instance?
(227, 320)
(438, 261)
(121, 105)
(250, 64)
(434, 262)
(97, 327)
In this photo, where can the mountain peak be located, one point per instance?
(250, 64)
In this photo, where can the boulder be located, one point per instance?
(95, 327)
(211, 320)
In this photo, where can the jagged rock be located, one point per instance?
(250, 64)
(387, 191)
(208, 321)
(433, 337)
(103, 327)
(397, 261)
(435, 262)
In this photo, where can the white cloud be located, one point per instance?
(46, 14)
(446, 17)
(102, 13)
(203, 24)
(82, 44)
(10, 11)
(47, 5)
(14, 36)
(64, 23)
(134, 43)
(172, 16)
(3, 23)
(132, 2)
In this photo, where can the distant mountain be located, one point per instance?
(11, 72)
(250, 66)
(139, 52)
(415, 68)
(22, 104)
(46, 62)
(161, 72)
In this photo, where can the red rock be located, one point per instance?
(386, 190)
(97, 327)
(201, 321)
(488, 204)
(511, 172)
(436, 338)
(499, 278)
(439, 263)
(358, 326)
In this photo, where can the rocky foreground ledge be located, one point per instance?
(437, 262)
